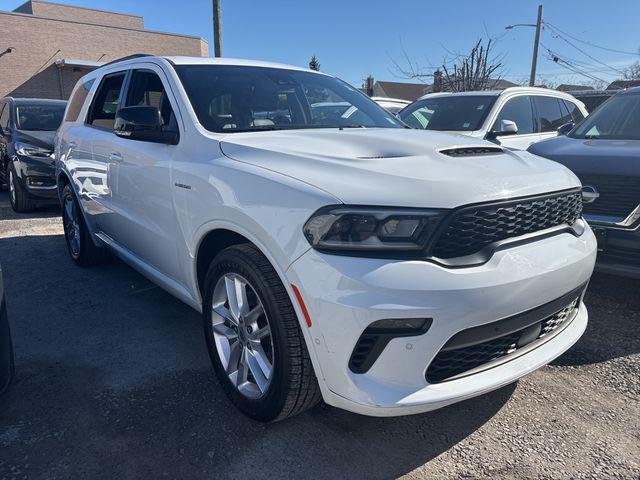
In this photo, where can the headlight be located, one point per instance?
(29, 150)
(371, 229)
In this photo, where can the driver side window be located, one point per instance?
(517, 110)
(146, 89)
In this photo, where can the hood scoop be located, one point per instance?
(471, 151)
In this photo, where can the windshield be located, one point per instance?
(39, 117)
(229, 98)
(463, 113)
(618, 118)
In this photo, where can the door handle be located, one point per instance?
(115, 157)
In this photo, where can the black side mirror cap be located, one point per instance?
(143, 123)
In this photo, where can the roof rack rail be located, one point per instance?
(128, 57)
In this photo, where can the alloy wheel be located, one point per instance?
(72, 225)
(242, 335)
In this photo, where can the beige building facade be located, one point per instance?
(46, 47)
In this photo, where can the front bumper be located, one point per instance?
(619, 251)
(344, 295)
(38, 177)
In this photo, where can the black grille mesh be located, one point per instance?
(619, 195)
(472, 229)
(449, 363)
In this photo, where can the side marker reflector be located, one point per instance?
(305, 312)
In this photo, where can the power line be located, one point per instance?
(560, 35)
(591, 44)
(568, 65)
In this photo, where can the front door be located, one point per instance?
(145, 221)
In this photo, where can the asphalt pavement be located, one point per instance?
(113, 381)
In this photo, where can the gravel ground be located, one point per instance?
(113, 381)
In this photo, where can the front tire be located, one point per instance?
(254, 338)
(18, 198)
(80, 245)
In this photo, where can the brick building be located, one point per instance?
(46, 47)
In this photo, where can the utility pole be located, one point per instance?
(217, 29)
(534, 62)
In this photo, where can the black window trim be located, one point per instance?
(127, 74)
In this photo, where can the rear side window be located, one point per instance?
(517, 110)
(77, 101)
(576, 113)
(146, 89)
(105, 103)
(550, 116)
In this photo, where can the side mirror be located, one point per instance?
(566, 128)
(143, 123)
(506, 127)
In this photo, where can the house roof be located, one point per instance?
(404, 91)
(567, 87)
(620, 84)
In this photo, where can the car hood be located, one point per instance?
(397, 167)
(605, 157)
(38, 138)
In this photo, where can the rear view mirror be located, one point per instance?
(143, 123)
(566, 128)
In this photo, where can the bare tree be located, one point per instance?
(632, 72)
(473, 71)
(476, 70)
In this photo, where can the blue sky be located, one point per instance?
(353, 38)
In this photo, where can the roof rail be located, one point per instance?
(128, 57)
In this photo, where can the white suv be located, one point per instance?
(516, 117)
(386, 270)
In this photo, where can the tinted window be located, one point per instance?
(4, 117)
(77, 101)
(146, 89)
(459, 113)
(39, 117)
(618, 118)
(574, 110)
(566, 113)
(517, 110)
(230, 98)
(549, 113)
(105, 102)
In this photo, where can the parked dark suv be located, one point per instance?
(27, 164)
(604, 152)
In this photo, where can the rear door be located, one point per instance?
(550, 115)
(101, 174)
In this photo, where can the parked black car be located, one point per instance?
(27, 165)
(604, 152)
(6, 349)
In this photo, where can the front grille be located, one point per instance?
(451, 362)
(619, 195)
(473, 228)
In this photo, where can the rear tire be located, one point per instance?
(291, 386)
(82, 250)
(20, 202)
